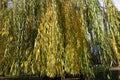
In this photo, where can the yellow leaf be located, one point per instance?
(12, 66)
(26, 63)
(11, 38)
(37, 54)
(21, 65)
(41, 28)
(26, 66)
(4, 33)
(29, 58)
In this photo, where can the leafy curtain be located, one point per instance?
(58, 37)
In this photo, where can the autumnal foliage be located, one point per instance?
(58, 37)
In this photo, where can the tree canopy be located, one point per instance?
(58, 37)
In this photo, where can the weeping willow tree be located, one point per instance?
(57, 37)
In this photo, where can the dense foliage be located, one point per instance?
(58, 37)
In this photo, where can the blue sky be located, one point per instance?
(116, 3)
